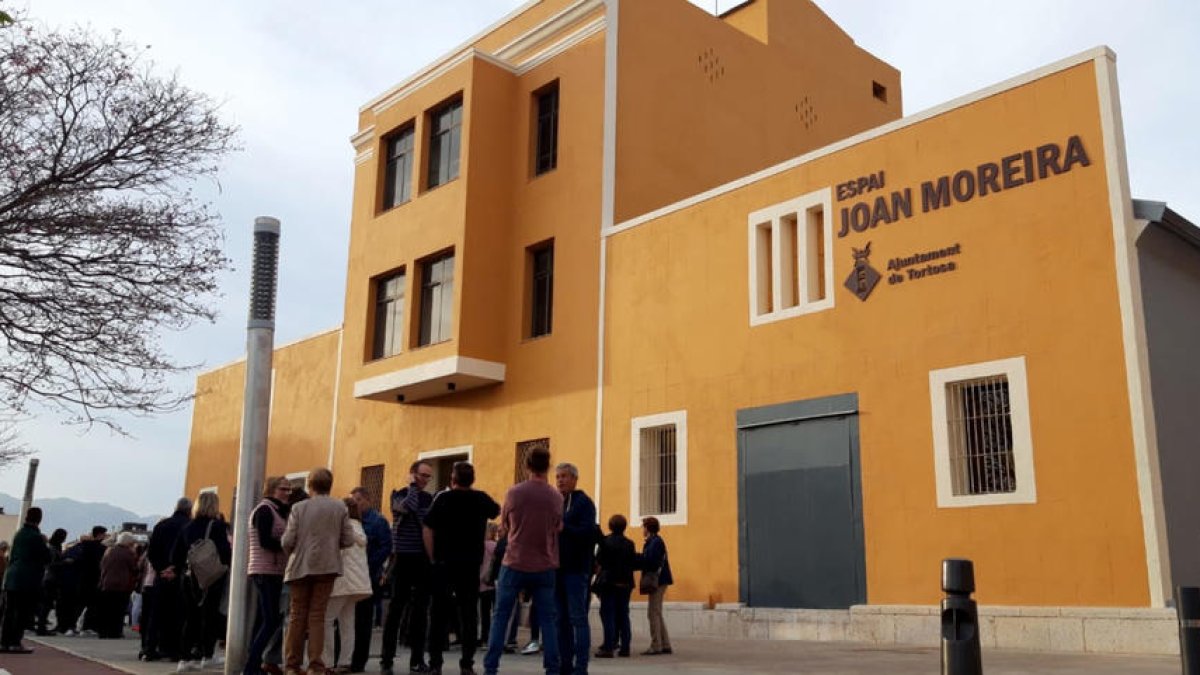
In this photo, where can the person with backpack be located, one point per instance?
(202, 554)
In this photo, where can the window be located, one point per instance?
(520, 473)
(437, 299)
(397, 177)
(545, 155)
(442, 462)
(389, 315)
(658, 460)
(371, 477)
(541, 285)
(445, 137)
(791, 258)
(982, 446)
(297, 479)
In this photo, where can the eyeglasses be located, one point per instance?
(426, 476)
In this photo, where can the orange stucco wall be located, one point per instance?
(300, 423)
(719, 103)
(1035, 279)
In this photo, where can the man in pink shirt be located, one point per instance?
(531, 518)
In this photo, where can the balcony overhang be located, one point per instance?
(428, 380)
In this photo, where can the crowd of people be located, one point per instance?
(325, 570)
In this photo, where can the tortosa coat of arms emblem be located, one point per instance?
(863, 277)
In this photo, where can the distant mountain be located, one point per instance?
(76, 517)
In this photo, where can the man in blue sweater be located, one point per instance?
(409, 571)
(576, 551)
(379, 547)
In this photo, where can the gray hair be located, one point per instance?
(125, 538)
(569, 468)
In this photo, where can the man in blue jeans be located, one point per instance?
(531, 519)
(576, 553)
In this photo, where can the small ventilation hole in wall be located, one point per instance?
(879, 91)
(710, 64)
(806, 112)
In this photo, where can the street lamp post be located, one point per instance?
(252, 461)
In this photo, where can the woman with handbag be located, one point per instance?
(614, 584)
(201, 550)
(656, 576)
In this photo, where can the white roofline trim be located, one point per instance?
(1092, 55)
(375, 104)
(591, 28)
(290, 343)
(548, 28)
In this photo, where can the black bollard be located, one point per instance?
(960, 620)
(1187, 604)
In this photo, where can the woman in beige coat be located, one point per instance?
(317, 529)
(352, 586)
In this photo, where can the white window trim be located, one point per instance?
(1018, 398)
(679, 419)
(468, 450)
(298, 474)
(210, 488)
(773, 214)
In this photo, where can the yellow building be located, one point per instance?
(828, 347)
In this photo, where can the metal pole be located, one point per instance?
(252, 461)
(27, 500)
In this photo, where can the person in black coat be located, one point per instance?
(23, 582)
(88, 567)
(202, 620)
(616, 559)
(166, 626)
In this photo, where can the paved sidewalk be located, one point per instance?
(45, 660)
(744, 657)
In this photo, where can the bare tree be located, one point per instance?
(102, 244)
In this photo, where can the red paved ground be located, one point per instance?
(49, 661)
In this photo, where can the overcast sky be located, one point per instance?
(293, 74)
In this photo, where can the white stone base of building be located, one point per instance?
(1054, 629)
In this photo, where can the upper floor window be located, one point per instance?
(397, 175)
(445, 139)
(389, 315)
(791, 261)
(541, 284)
(437, 299)
(546, 148)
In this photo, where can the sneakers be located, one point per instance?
(187, 667)
(71, 632)
(216, 661)
(533, 647)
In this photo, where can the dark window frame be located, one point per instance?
(437, 288)
(445, 143)
(545, 129)
(541, 289)
(385, 343)
(404, 157)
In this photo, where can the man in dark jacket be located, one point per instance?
(92, 551)
(166, 622)
(379, 547)
(23, 582)
(576, 551)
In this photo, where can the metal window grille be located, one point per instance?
(389, 315)
(547, 130)
(981, 438)
(658, 491)
(371, 477)
(437, 299)
(520, 473)
(541, 312)
(397, 182)
(445, 137)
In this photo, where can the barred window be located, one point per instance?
(982, 443)
(659, 468)
(520, 473)
(371, 477)
(981, 447)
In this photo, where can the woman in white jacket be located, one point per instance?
(352, 586)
